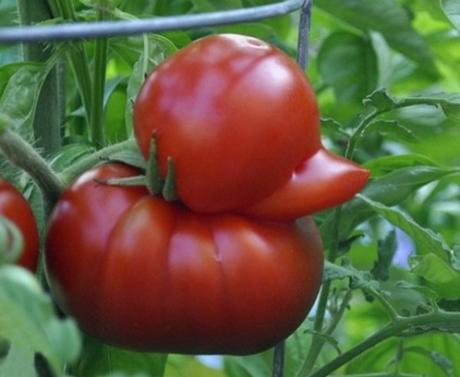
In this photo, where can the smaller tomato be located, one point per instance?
(16, 209)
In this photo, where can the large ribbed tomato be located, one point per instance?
(16, 209)
(240, 121)
(138, 272)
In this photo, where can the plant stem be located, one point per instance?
(24, 156)
(318, 341)
(51, 102)
(443, 321)
(77, 57)
(336, 319)
(69, 174)
(97, 110)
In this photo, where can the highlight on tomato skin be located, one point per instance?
(16, 209)
(236, 115)
(323, 181)
(241, 123)
(149, 275)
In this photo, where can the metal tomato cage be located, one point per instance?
(104, 29)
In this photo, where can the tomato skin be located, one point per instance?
(236, 115)
(322, 181)
(15, 208)
(158, 277)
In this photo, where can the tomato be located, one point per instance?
(323, 181)
(141, 273)
(239, 119)
(15, 208)
(235, 114)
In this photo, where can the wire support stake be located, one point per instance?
(304, 29)
(83, 30)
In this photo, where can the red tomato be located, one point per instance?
(241, 122)
(236, 114)
(138, 272)
(15, 208)
(322, 181)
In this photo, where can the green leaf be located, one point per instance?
(383, 165)
(386, 250)
(387, 17)
(348, 64)
(100, 359)
(379, 357)
(155, 50)
(390, 189)
(451, 9)
(391, 128)
(426, 240)
(20, 94)
(29, 323)
(383, 101)
(439, 273)
(358, 279)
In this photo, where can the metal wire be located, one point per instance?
(83, 30)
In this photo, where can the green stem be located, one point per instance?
(51, 103)
(383, 374)
(77, 57)
(68, 175)
(24, 156)
(445, 321)
(318, 341)
(338, 316)
(358, 132)
(97, 111)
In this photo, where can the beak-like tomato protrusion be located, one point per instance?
(322, 181)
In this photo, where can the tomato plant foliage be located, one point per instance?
(226, 270)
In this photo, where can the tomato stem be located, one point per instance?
(406, 326)
(73, 171)
(24, 156)
(318, 340)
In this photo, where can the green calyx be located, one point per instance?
(155, 183)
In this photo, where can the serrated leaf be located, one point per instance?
(351, 82)
(387, 17)
(28, 321)
(358, 279)
(378, 358)
(383, 101)
(156, 49)
(383, 165)
(389, 190)
(426, 240)
(20, 95)
(426, 291)
(335, 126)
(391, 128)
(386, 250)
(439, 273)
(451, 9)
